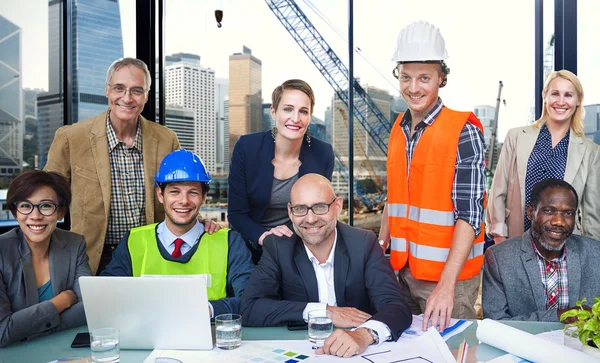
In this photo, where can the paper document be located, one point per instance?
(428, 347)
(416, 328)
(527, 346)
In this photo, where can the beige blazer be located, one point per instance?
(80, 153)
(506, 202)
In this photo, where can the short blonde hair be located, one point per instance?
(577, 120)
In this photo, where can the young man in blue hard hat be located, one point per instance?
(178, 245)
(436, 182)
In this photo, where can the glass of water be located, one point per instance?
(320, 325)
(228, 328)
(104, 344)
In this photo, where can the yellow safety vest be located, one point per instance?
(210, 258)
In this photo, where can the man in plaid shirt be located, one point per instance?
(541, 274)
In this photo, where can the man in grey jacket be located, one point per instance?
(541, 274)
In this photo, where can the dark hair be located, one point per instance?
(550, 183)
(296, 84)
(28, 182)
(205, 187)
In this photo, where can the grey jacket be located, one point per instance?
(22, 316)
(512, 283)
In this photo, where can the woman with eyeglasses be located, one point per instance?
(39, 264)
(265, 165)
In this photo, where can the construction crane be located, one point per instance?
(333, 69)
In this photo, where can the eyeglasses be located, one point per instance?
(318, 209)
(134, 91)
(45, 208)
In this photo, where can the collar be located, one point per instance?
(113, 141)
(191, 237)
(428, 119)
(329, 260)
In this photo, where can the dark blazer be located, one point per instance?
(512, 283)
(22, 316)
(284, 281)
(251, 179)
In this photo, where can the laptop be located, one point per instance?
(151, 312)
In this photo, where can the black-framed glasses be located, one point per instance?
(318, 209)
(45, 208)
(122, 90)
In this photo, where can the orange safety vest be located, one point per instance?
(420, 208)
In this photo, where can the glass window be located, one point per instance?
(587, 64)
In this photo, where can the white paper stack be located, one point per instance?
(527, 346)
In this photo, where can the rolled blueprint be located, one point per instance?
(526, 345)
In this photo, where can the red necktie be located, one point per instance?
(177, 251)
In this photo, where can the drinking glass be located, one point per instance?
(228, 329)
(320, 325)
(104, 344)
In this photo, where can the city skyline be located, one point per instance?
(478, 59)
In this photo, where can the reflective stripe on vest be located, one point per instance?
(210, 257)
(421, 217)
(438, 254)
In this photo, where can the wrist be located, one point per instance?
(369, 335)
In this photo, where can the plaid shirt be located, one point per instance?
(469, 176)
(127, 199)
(560, 265)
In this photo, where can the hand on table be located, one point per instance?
(345, 344)
(439, 307)
(348, 317)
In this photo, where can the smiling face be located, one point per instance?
(552, 220)
(128, 106)
(37, 228)
(315, 230)
(420, 84)
(182, 202)
(292, 115)
(561, 100)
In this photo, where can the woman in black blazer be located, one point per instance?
(264, 166)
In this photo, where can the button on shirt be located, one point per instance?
(326, 286)
(127, 198)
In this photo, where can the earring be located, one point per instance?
(308, 137)
(273, 133)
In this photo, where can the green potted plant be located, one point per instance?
(587, 325)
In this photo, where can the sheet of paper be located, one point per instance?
(526, 345)
(429, 346)
(415, 330)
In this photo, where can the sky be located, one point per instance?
(487, 40)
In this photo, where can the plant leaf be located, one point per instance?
(583, 315)
(592, 325)
(596, 340)
(568, 314)
(583, 336)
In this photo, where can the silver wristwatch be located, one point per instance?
(374, 335)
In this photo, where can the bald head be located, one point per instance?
(311, 183)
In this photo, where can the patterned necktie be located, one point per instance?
(551, 285)
(177, 251)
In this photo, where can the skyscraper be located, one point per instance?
(182, 121)
(245, 95)
(96, 43)
(222, 94)
(189, 85)
(486, 115)
(11, 100)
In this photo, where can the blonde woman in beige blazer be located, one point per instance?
(562, 111)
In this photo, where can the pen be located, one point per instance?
(461, 357)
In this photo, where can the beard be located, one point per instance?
(315, 239)
(538, 235)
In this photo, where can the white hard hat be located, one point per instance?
(420, 41)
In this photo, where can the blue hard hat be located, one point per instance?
(182, 166)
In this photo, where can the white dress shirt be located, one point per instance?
(326, 287)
